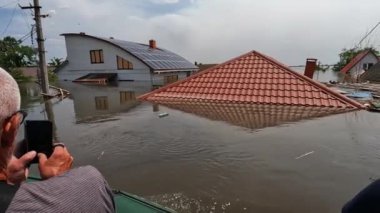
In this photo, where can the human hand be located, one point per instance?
(17, 170)
(59, 162)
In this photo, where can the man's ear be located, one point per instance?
(9, 131)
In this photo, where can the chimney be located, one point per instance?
(311, 64)
(152, 44)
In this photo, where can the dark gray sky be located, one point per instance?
(209, 31)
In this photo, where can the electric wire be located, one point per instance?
(26, 36)
(24, 16)
(367, 34)
(9, 3)
(10, 21)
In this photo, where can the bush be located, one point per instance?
(19, 76)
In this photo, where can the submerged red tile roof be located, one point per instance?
(252, 78)
(356, 60)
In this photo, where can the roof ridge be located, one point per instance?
(314, 83)
(143, 97)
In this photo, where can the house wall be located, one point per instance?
(78, 55)
(358, 68)
(85, 96)
(158, 79)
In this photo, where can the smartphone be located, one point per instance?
(39, 137)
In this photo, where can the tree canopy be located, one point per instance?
(55, 62)
(348, 54)
(13, 54)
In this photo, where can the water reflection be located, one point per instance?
(252, 116)
(30, 95)
(93, 103)
(320, 76)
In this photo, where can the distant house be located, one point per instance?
(205, 66)
(252, 78)
(372, 75)
(360, 63)
(89, 55)
(32, 71)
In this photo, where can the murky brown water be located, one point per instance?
(201, 164)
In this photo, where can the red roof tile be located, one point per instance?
(356, 60)
(252, 78)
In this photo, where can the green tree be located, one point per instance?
(322, 67)
(13, 54)
(348, 54)
(55, 62)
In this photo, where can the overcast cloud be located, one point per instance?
(209, 31)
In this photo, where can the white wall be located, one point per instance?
(78, 54)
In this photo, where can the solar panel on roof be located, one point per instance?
(155, 58)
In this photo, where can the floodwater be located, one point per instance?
(194, 160)
(320, 76)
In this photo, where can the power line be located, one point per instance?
(367, 34)
(10, 21)
(9, 3)
(26, 36)
(24, 16)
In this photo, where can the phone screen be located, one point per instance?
(39, 137)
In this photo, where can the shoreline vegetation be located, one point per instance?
(19, 76)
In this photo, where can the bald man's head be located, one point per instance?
(9, 95)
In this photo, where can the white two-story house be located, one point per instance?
(89, 55)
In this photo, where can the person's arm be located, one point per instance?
(81, 189)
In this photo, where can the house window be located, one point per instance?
(367, 66)
(101, 103)
(170, 79)
(123, 64)
(126, 96)
(96, 56)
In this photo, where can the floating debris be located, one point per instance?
(361, 95)
(373, 106)
(101, 155)
(304, 155)
(164, 114)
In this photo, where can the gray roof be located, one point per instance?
(373, 74)
(156, 59)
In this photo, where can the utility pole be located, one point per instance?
(41, 45)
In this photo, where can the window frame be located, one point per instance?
(123, 64)
(96, 56)
(367, 66)
(127, 96)
(168, 79)
(101, 103)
